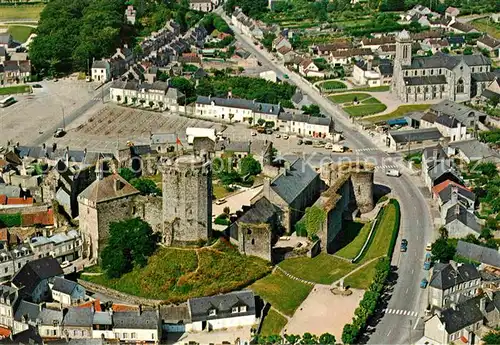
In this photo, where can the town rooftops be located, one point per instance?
(425, 80)
(109, 188)
(102, 318)
(5, 38)
(463, 193)
(9, 294)
(313, 120)
(479, 253)
(464, 216)
(379, 41)
(437, 189)
(266, 108)
(223, 305)
(259, 212)
(460, 111)
(100, 64)
(50, 317)
(64, 285)
(175, 314)
(465, 314)
(27, 311)
(422, 134)
(147, 319)
(442, 60)
(489, 41)
(444, 276)
(475, 150)
(290, 184)
(78, 317)
(33, 272)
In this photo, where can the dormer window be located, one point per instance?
(243, 309)
(212, 312)
(234, 310)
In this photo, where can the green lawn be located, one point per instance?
(20, 12)
(174, 275)
(273, 323)
(382, 88)
(20, 33)
(10, 90)
(365, 109)
(283, 293)
(362, 278)
(348, 97)
(323, 269)
(486, 25)
(354, 243)
(219, 191)
(399, 112)
(332, 85)
(371, 100)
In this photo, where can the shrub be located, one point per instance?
(10, 220)
(395, 231)
(222, 219)
(300, 229)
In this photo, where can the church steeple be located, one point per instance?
(403, 49)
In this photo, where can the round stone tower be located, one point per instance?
(187, 200)
(362, 185)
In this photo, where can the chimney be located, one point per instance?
(139, 310)
(117, 184)
(457, 209)
(17, 144)
(482, 305)
(266, 187)
(454, 195)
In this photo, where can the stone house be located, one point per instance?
(286, 54)
(107, 199)
(460, 222)
(231, 310)
(462, 322)
(292, 191)
(474, 151)
(451, 282)
(77, 322)
(101, 71)
(489, 43)
(142, 326)
(33, 279)
(309, 69)
(49, 323)
(67, 292)
(8, 303)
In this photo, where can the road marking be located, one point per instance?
(407, 291)
(389, 332)
(416, 323)
(401, 312)
(412, 270)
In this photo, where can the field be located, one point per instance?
(20, 33)
(273, 323)
(326, 269)
(174, 275)
(323, 269)
(31, 12)
(283, 293)
(399, 112)
(365, 109)
(332, 85)
(10, 90)
(355, 237)
(486, 25)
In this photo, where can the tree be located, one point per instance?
(442, 251)
(292, 338)
(493, 101)
(250, 166)
(145, 186)
(326, 339)
(486, 234)
(130, 243)
(308, 338)
(349, 334)
(491, 338)
(151, 103)
(443, 233)
(312, 110)
(226, 210)
(126, 173)
(467, 51)
(260, 122)
(445, 50)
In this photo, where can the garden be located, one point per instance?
(174, 275)
(329, 85)
(11, 90)
(358, 104)
(399, 112)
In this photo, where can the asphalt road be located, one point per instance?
(406, 301)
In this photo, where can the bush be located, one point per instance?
(10, 220)
(222, 219)
(300, 229)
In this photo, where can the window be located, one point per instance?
(423, 72)
(125, 335)
(234, 310)
(212, 312)
(460, 86)
(47, 332)
(153, 336)
(406, 73)
(243, 309)
(432, 72)
(54, 332)
(6, 269)
(133, 335)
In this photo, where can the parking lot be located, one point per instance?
(113, 126)
(34, 115)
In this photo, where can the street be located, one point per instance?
(407, 299)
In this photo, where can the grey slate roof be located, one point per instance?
(444, 276)
(233, 146)
(163, 138)
(445, 194)
(290, 185)
(100, 64)
(462, 112)
(33, 272)
(50, 316)
(267, 108)
(447, 121)
(439, 168)
(422, 134)
(484, 76)
(441, 60)
(8, 294)
(314, 120)
(102, 318)
(465, 314)
(175, 314)
(488, 256)
(475, 150)
(28, 310)
(464, 216)
(223, 304)
(148, 319)
(260, 212)
(425, 80)
(64, 285)
(78, 317)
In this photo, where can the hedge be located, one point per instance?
(10, 220)
(395, 231)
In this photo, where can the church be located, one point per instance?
(440, 76)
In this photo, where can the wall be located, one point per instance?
(362, 184)
(151, 335)
(457, 229)
(434, 330)
(149, 209)
(255, 239)
(77, 332)
(219, 324)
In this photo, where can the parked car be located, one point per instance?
(254, 133)
(36, 86)
(269, 131)
(404, 245)
(318, 144)
(285, 76)
(393, 173)
(328, 146)
(221, 201)
(285, 136)
(428, 247)
(423, 283)
(338, 148)
(299, 142)
(427, 262)
(307, 142)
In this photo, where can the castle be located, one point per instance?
(440, 76)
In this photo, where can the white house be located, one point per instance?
(201, 5)
(230, 310)
(296, 122)
(452, 128)
(137, 326)
(235, 109)
(67, 292)
(49, 323)
(101, 71)
(309, 69)
(9, 296)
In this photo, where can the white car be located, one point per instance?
(328, 146)
(285, 136)
(65, 264)
(277, 135)
(220, 201)
(254, 133)
(393, 173)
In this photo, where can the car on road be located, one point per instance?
(427, 262)
(423, 283)
(65, 264)
(60, 132)
(254, 133)
(338, 148)
(404, 245)
(300, 142)
(286, 76)
(269, 131)
(36, 86)
(277, 135)
(285, 136)
(221, 201)
(307, 142)
(393, 172)
(318, 144)
(428, 247)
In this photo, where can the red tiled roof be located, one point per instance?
(124, 307)
(19, 201)
(4, 332)
(43, 218)
(3, 163)
(96, 303)
(3, 199)
(4, 235)
(443, 185)
(283, 50)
